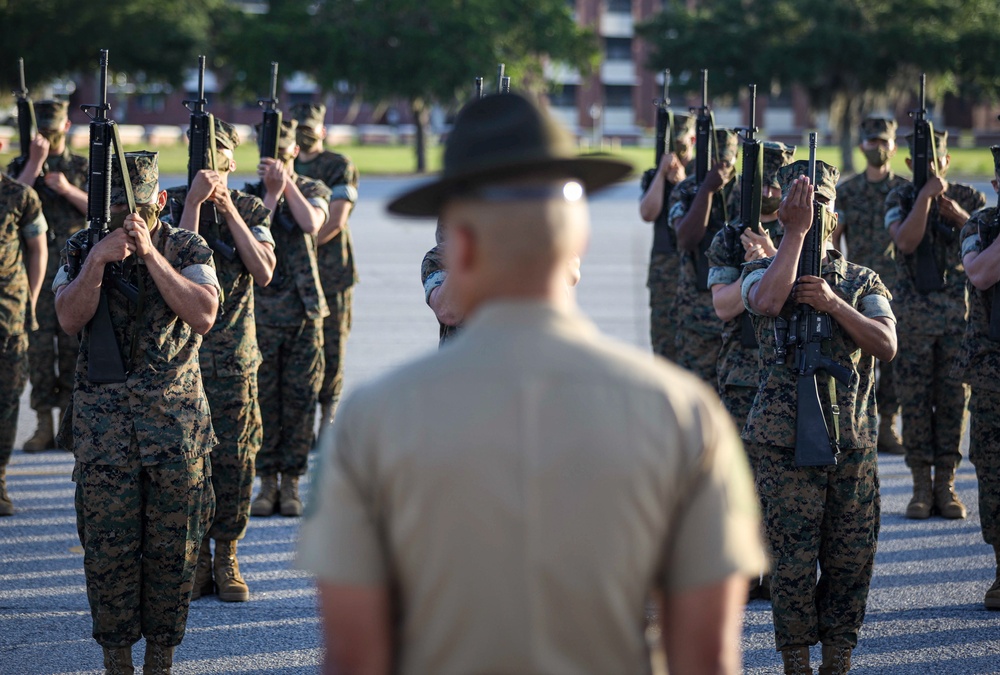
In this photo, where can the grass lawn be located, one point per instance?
(371, 160)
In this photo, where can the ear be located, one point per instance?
(67, 125)
(996, 184)
(161, 199)
(463, 238)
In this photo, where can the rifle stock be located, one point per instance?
(927, 274)
(703, 128)
(26, 127)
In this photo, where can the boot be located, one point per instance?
(118, 661)
(6, 506)
(159, 659)
(946, 502)
(44, 437)
(267, 499)
(889, 441)
(992, 599)
(796, 660)
(230, 585)
(836, 660)
(919, 507)
(203, 584)
(291, 505)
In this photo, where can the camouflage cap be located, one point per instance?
(995, 149)
(51, 114)
(881, 128)
(225, 134)
(683, 126)
(728, 144)
(940, 142)
(143, 172)
(286, 136)
(309, 114)
(826, 177)
(776, 155)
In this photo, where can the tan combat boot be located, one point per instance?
(291, 505)
(159, 659)
(230, 586)
(203, 584)
(889, 440)
(44, 438)
(267, 499)
(6, 506)
(796, 660)
(118, 661)
(946, 502)
(992, 599)
(919, 507)
(836, 660)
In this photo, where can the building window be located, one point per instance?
(617, 96)
(618, 49)
(623, 6)
(563, 96)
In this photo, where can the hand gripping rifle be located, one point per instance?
(105, 356)
(706, 151)
(928, 277)
(270, 131)
(988, 234)
(751, 186)
(201, 155)
(807, 331)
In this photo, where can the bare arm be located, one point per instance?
(876, 336)
(38, 151)
(768, 296)
(908, 233)
(670, 170)
(340, 209)
(701, 628)
(356, 629)
(36, 259)
(56, 180)
(727, 300)
(443, 302)
(983, 268)
(692, 225)
(77, 301)
(257, 256)
(308, 217)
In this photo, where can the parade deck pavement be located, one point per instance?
(925, 612)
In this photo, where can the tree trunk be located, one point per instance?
(420, 117)
(847, 126)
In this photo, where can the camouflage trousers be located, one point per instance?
(289, 380)
(140, 527)
(984, 453)
(336, 329)
(14, 354)
(738, 401)
(934, 404)
(52, 357)
(237, 423)
(819, 515)
(885, 392)
(662, 284)
(699, 352)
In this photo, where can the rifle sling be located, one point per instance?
(130, 201)
(835, 409)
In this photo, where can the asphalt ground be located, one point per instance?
(925, 612)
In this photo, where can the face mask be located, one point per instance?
(769, 205)
(829, 223)
(148, 212)
(877, 156)
(52, 136)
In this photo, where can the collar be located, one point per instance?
(835, 263)
(529, 314)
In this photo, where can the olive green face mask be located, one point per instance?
(53, 136)
(829, 223)
(769, 205)
(877, 156)
(148, 212)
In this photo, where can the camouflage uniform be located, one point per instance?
(143, 474)
(827, 515)
(337, 272)
(739, 366)
(861, 209)
(51, 352)
(664, 262)
(980, 368)
(229, 360)
(289, 315)
(930, 335)
(697, 341)
(432, 275)
(21, 218)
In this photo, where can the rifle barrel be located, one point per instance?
(500, 69)
(812, 157)
(704, 87)
(23, 91)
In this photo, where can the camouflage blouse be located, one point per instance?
(21, 218)
(979, 363)
(861, 209)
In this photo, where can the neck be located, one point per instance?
(311, 153)
(768, 217)
(874, 174)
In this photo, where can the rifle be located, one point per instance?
(106, 362)
(988, 235)
(26, 127)
(479, 87)
(807, 331)
(706, 151)
(500, 79)
(270, 132)
(201, 155)
(927, 277)
(751, 186)
(664, 123)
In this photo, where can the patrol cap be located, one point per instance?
(826, 177)
(286, 135)
(309, 114)
(225, 134)
(728, 144)
(940, 142)
(776, 155)
(683, 126)
(878, 128)
(995, 149)
(51, 114)
(143, 172)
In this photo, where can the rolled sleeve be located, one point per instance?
(893, 215)
(751, 278)
(972, 244)
(676, 212)
(62, 279)
(203, 275)
(36, 228)
(344, 191)
(433, 280)
(321, 204)
(873, 306)
(722, 275)
(262, 234)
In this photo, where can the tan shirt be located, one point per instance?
(524, 489)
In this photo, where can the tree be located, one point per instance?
(851, 56)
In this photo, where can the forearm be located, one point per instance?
(768, 296)
(727, 300)
(35, 262)
(701, 628)
(308, 217)
(692, 225)
(340, 209)
(76, 302)
(983, 269)
(908, 233)
(257, 256)
(191, 215)
(194, 304)
(873, 336)
(31, 171)
(76, 197)
(651, 204)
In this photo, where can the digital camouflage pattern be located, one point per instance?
(819, 515)
(336, 329)
(940, 142)
(140, 527)
(697, 340)
(772, 418)
(776, 155)
(14, 353)
(226, 134)
(433, 266)
(827, 176)
(664, 263)
(980, 367)
(144, 174)
(52, 352)
(51, 114)
(861, 212)
(288, 395)
(295, 292)
(162, 404)
(878, 128)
